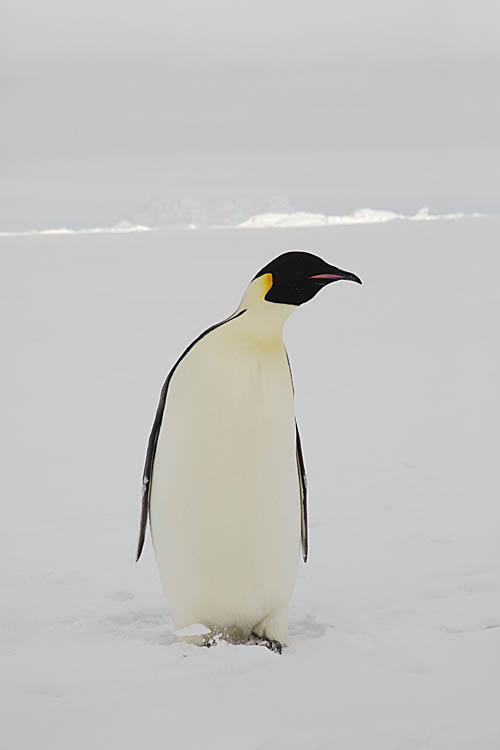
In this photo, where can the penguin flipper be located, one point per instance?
(155, 431)
(303, 495)
(148, 464)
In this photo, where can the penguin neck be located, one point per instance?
(262, 319)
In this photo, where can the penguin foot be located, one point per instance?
(274, 646)
(232, 635)
(273, 626)
(210, 641)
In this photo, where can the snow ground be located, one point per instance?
(395, 622)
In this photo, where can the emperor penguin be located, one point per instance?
(224, 482)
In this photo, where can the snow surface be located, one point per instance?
(395, 622)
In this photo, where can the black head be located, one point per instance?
(297, 277)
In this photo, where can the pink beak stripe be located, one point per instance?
(326, 276)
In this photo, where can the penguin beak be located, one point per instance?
(336, 275)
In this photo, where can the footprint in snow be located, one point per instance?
(122, 595)
(309, 626)
(150, 627)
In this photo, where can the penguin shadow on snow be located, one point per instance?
(301, 627)
(154, 626)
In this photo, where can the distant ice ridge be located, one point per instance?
(360, 216)
(267, 220)
(188, 212)
(122, 227)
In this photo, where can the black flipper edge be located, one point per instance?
(303, 495)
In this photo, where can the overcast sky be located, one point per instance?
(112, 106)
(226, 29)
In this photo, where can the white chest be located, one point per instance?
(225, 501)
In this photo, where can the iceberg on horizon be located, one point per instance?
(123, 227)
(267, 220)
(359, 216)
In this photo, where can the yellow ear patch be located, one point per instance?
(266, 282)
(256, 291)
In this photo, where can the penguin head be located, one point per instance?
(296, 277)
